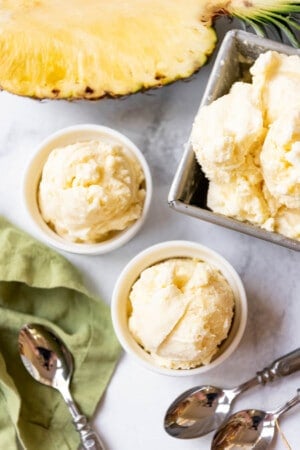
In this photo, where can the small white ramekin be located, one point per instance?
(33, 173)
(153, 255)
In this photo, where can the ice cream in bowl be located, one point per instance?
(179, 308)
(88, 189)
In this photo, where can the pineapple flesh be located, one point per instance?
(93, 48)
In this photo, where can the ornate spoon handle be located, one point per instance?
(281, 367)
(89, 438)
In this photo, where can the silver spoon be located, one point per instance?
(250, 429)
(202, 409)
(49, 361)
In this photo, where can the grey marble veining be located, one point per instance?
(130, 415)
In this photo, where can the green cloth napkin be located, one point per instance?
(39, 285)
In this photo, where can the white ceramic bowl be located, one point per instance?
(33, 173)
(153, 255)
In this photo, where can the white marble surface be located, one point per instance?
(131, 413)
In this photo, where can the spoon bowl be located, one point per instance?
(198, 411)
(247, 429)
(251, 429)
(45, 356)
(49, 362)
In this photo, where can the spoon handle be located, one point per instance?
(287, 406)
(281, 367)
(89, 438)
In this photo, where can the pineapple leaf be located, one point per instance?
(263, 25)
(292, 8)
(290, 19)
(258, 28)
(282, 16)
(285, 26)
(293, 22)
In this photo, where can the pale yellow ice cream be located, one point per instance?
(90, 190)
(276, 80)
(248, 145)
(242, 200)
(180, 310)
(287, 222)
(280, 159)
(227, 132)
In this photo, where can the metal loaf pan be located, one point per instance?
(188, 191)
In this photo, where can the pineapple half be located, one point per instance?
(92, 48)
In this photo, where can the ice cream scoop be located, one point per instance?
(202, 409)
(280, 159)
(90, 190)
(251, 429)
(226, 131)
(180, 311)
(276, 80)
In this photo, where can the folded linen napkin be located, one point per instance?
(39, 285)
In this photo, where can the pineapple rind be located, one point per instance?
(97, 48)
